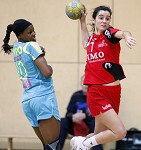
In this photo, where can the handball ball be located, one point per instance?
(73, 9)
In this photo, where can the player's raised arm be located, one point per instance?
(84, 30)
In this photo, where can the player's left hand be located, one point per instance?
(43, 49)
(130, 41)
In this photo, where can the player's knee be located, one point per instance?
(121, 133)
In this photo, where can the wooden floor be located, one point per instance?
(36, 145)
(24, 146)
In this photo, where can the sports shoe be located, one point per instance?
(76, 143)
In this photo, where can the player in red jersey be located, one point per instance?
(103, 73)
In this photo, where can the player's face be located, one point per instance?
(28, 35)
(102, 21)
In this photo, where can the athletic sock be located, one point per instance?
(47, 147)
(58, 147)
(53, 145)
(90, 142)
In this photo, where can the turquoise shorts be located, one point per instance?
(40, 108)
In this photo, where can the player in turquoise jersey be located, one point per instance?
(38, 99)
(34, 82)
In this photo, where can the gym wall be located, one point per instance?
(61, 37)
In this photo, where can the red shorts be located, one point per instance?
(103, 98)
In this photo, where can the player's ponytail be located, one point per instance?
(6, 47)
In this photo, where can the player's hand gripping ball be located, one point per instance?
(73, 9)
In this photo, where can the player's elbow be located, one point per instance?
(49, 71)
(49, 74)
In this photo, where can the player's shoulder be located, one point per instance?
(32, 43)
(111, 30)
(109, 34)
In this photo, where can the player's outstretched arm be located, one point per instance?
(127, 36)
(84, 30)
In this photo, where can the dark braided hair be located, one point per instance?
(6, 47)
(17, 27)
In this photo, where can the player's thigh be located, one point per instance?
(109, 120)
(99, 127)
(49, 129)
(38, 133)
